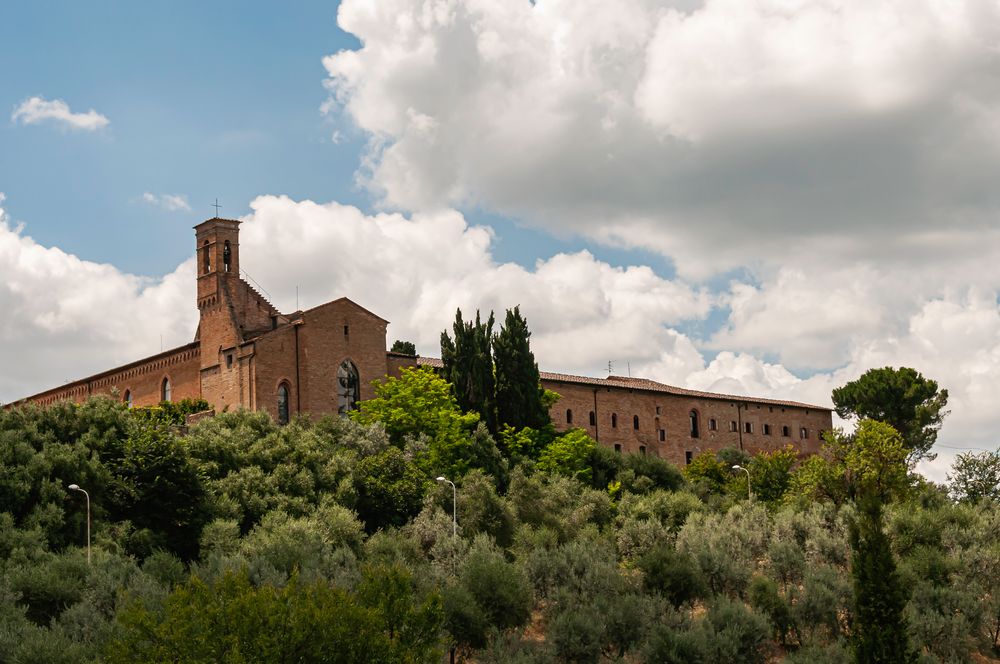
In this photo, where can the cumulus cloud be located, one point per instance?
(65, 318)
(171, 202)
(723, 134)
(416, 269)
(36, 110)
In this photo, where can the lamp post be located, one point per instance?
(454, 505)
(75, 487)
(739, 467)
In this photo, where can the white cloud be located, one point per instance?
(723, 134)
(68, 317)
(171, 202)
(36, 110)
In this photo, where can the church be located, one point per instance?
(247, 354)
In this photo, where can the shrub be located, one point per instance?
(576, 635)
(672, 574)
(499, 588)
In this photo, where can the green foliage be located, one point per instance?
(771, 475)
(390, 489)
(975, 476)
(157, 488)
(481, 510)
(569, 454)
(672, 574)
(404, 347)
(233, 621)
(419, 403)
(901, 398)
(499, 588)
(576, 636)
(765, 598)
(879, 631)
(519, 395)
(468, 366)
(170, 413)
(708, 473)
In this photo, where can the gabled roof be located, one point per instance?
(350, 302)
(645, 385)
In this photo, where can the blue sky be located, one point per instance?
(207, 99)
(757, 197)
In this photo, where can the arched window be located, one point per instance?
(127, 399)
(165, 390)
(283, 404)
(569, 416)
(635, 422)
(593, 419)
(227, 255)
(693, 416)
(614, 420)
(347, 387)
(206, 259)
(785, 431)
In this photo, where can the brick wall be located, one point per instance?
(670, 413)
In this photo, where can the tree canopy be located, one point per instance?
(902, 398)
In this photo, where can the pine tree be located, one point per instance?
(519, 393)
(468, 366)
(879, 632)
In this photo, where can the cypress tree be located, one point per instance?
(519, 393)
(468, 366)
(879, 632)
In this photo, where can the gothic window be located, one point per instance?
(614, 420)
(635, 422)
(227, 256)
(713, 425)
(347, 387)
(206, 259)
(693, 416)
(128, 398)
(593, 419)
(803, 433)
(283, 403)
(569, 416)
(165, 390)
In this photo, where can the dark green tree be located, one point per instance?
(902, 398)
(404, 347)
(975, 476)
(390, 489)
(519, 393)
(468, 366)
(879, 632)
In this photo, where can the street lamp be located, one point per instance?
(739, 467)
(454, 505)
(75, 487)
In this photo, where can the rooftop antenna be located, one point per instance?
(161, 343)
(296, 297)
(628, 365)
(610, 370)
(216, 206)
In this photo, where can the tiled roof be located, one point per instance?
(643, 384)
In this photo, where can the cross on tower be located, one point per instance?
(216, 206)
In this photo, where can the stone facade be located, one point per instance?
(247, 354)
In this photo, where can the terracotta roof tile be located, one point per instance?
(644, 384)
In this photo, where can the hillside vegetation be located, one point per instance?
(331, 540)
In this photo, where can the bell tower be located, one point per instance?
(218, 245)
